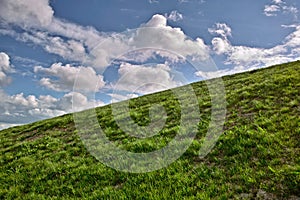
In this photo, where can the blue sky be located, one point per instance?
(57, 54)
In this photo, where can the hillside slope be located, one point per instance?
(257, 156)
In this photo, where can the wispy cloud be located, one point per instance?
(153, 1)
(271, 10)
(280, 6)
(174, 16)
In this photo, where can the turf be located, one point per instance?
(256, 157)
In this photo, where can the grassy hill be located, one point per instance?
(257, 156)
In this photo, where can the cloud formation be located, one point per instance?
(221, 29)
(62, 78)
(278, 6)
(85, 44)
(4, 69)
(144, 79)
(153, 1)
(244, 58)
(175, 16)
(29, 13)
(19, 109)
(155, 35)
(271, 10)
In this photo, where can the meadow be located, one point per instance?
(256, 157)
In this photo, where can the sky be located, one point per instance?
(57, 57)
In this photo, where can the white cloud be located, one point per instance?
(280, 6)
(26, 13)
(245, 58)
(73, 42)
(293, 40)
(69, 49)
(153, 1)
(221, 29)
(75, 101)
(144, 79)
(4, 69)
(118, 96)
(155, 35)
(158, 35)
(220, 45)
(63, 78)
(175, 16)
(7, 125)
(224, 72)
(157, 20)
(39, 25)
(291, 10)
(104, 48)
(86, 35)
(20, 109)
(277, 1)
(271, 10)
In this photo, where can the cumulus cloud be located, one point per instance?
(158, 35)
(41, 17)
(20, 109)
(175, 16)
(245, 58)
(85, 44)
(72, 42)
(157, 21)
(221, 29)
(155, 35)
(62, 78)
(26, 13)
(39, 26)
(220, 45)
(4, 69)
(75, 101)
(144, 79)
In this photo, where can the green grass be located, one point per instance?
(257, 156)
